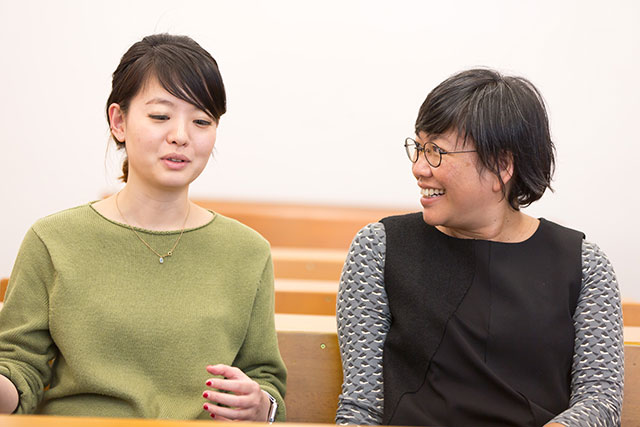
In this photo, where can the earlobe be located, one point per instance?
(116, 121)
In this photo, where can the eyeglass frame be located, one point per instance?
(438, 149)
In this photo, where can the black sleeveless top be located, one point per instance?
(481, 332)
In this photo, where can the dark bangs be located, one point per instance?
(186, 77)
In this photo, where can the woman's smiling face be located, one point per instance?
(460, 194)
(168, 140)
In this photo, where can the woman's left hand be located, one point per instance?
(245, 399)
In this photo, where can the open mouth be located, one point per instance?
(176, 160)
(432, 192)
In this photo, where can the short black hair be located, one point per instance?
(503, 115)
(183, 68)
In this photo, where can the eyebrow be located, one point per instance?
(430, 138)
(436, 136)
(162, 101)
(168, 103)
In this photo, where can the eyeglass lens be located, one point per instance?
(430, 152)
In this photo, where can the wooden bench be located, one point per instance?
(294, 296)
(631, 313)
(307, 241)
(4, 282)
(309, 348)
(319, 297)
(631, 402)
(307, 263)
(301, 225)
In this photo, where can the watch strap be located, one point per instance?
(273, 408)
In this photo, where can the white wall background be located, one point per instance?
(320, 97)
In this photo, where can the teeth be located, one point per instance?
(431, 192)
(176, 160)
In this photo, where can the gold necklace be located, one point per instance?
(170, 252)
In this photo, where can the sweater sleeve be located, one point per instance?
(26, 347)
(259, 357)
(363, 322)
(597, 375)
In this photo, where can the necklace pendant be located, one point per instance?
(161, 259)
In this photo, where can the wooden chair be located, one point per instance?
(314, 368)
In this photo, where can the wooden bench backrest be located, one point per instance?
(306, 263)
(314, 377)
(631, 403)
(301, 226)
(4, 282)
(303, 301)
(631, 313)
(295, 296)
(292, 302)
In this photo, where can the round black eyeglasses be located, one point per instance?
(432, 153)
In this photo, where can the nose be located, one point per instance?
(421, 168)
(178, 134)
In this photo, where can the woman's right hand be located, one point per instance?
(8, 396)
(241, 396)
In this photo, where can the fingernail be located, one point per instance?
(205, 407)
(205, 394)
(213, 415)
(208, 382)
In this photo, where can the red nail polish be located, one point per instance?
(205, 394)
(205, 407)
(213, 415)
(209, 383)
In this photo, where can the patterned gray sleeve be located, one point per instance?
(597, 376)
(363, 322)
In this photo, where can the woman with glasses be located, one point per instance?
(145, 304)
(471, 312)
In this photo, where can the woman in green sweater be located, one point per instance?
(145, 304)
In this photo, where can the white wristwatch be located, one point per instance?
(273, 408)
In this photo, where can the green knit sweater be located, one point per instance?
(128, 336)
